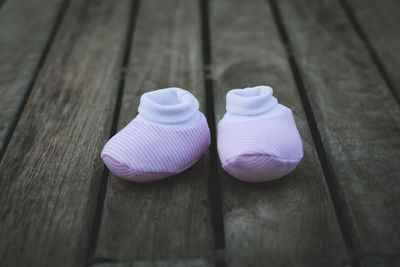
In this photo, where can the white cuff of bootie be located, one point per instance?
(250, 101)
(172, 107)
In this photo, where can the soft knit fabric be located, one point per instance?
(257, 138)
(168, 136)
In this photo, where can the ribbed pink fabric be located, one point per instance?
(143, 151)
(261, 149)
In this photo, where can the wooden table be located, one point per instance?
(72, 72)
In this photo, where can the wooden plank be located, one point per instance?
(357, 117)
(51, 173)
(165, 220)
(291, 221)
(25, 28)
(169, 263)
(380, 23)
(373, 261)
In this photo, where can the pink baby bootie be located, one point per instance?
(167, 136)
(257, 138)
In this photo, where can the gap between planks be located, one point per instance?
(94, 24)
(213, 181)
(135, 5)
(329, 28)
(371, 50)
(213, 184)
(113, 258)
(59, 19)
(328, 173)
(2, 3)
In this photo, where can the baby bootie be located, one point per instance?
(167, 136)
(257, 137)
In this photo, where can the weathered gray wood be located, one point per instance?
(380, 22)
(50, 175)
(379, 261)
(25, 28)
(165, 220)
(291, 221)
(357, 117)
(167, 263)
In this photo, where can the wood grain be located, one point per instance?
(25, 28)
(166, 220)
(357, 117)
(168, 263)
(374, 261)
(51, 172)
(380, 22)
(291, 221)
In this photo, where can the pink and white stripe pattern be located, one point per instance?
(144, 151)
(260, 150)
(257, 138)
